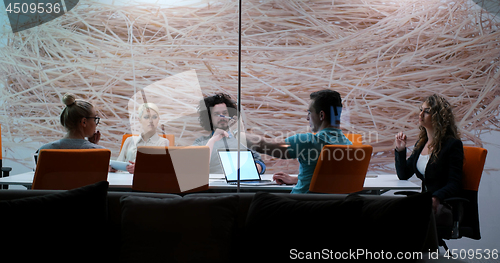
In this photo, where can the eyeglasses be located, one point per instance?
(96, 119)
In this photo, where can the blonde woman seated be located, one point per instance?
(80, 120)
(148, 118)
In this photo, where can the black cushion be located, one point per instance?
(180, 230)
(395, 224)
(279, 224)
(62, 227)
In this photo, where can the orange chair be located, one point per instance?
(465, 207)
(341, 169)
(171, 169)
(5, 170)
(170, 138)
(355, 138)
(474, 159)
(68, 169)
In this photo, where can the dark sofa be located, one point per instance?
(90, 223)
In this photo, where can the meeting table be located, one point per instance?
(374, 183)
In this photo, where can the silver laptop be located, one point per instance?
(248, 171)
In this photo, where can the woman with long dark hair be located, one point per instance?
(437, 158)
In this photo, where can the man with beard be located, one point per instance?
(215, 114)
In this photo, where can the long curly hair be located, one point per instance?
(205, 105)
(443, 122)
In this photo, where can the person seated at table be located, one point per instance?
(215, 113)
(149, 116)
(323, 114)
(80, 120)
(437, 158)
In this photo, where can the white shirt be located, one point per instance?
(129, 149)
(422, 163)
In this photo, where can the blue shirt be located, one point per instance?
(306, 147)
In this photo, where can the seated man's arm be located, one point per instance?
(217, 135)
(275, 148)
(290, 148)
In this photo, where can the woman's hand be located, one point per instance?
(111, 169)
(284, 178)
(131, 167)
(400, 141)
(95, 138)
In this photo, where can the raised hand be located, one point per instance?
(400, 141)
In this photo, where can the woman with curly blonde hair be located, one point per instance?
(437, 158)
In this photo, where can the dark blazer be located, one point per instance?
(443, 177)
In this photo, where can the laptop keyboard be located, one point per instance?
(264, 182)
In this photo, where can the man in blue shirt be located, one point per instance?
(323, 115)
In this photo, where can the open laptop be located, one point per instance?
(248, 169)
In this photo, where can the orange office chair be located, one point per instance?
(68, 169)
(355, 138)
(341, 169)
(171, 169)
(465, 208)
(5, 170)
(170, 138)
